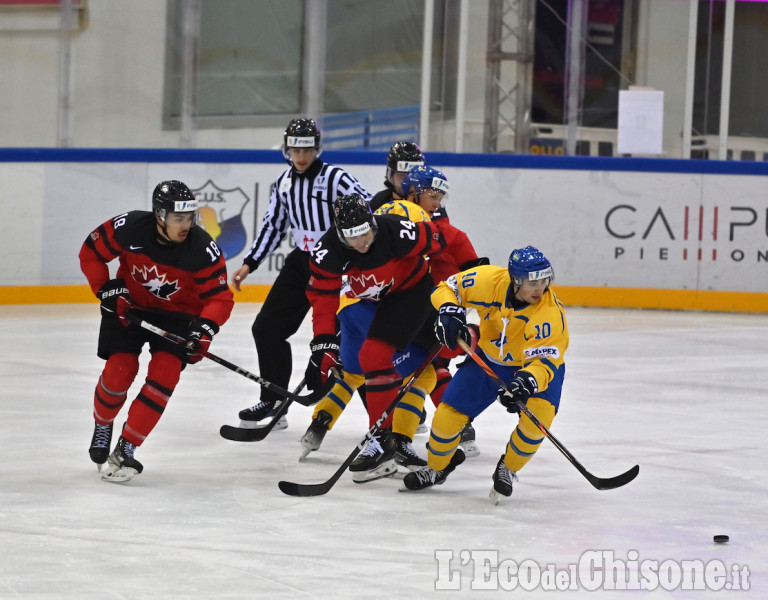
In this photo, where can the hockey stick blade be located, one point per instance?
(598, 482)
(250, 434)
(306, 400)
(318, 489)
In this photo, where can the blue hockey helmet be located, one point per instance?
(422, 178)
(529, 264)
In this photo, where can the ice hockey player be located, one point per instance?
(402, 157)
(170, 273)
(301, 197)
(428, 186)
(523, 337)
(383, 261)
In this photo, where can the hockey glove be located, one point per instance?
(198, 338)
(477, 262)
(124, 307)
(522, 387)
(324, 356)
(108, 295)
(452, 323)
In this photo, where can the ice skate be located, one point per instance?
(467, 442)
(377, 460)
(250, 418)
(423, 427)
(405, 455)
(428, 477)
(121, 465)
(100, 443)
(503, 480)
(313, 437)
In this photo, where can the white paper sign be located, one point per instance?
(641, 118)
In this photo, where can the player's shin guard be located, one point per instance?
(146, 410)
(526, 438)
(445, 435)
(381, 379)
(337, 399)
(112, 388)
(408, 411)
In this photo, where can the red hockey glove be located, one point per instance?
(324, 357)
(198, 338)
(522, 387)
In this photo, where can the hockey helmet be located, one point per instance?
(173, 196)
(529, 264)
(353, 217)
(401, 158)
(422, 178)
(301, 133)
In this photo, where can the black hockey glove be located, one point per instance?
(452, 323)
(198, 338)
(522, 387)
(324, 356)
(109, 293)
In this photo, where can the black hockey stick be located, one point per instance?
(318, 489)
(256, 434)
(306, 400)
(598, 482)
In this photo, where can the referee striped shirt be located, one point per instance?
(305, 202)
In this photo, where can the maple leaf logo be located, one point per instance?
(368, 286)
(155, 283)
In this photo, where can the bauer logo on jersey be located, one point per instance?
(301, 142)
(156, 283)
(221, 215)
(543, 352)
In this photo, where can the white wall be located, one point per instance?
(600, 228)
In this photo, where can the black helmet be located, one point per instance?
(353, 217)
(172, 196)
(402, 156)
(301, 133)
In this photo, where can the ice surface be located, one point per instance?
(682, 394)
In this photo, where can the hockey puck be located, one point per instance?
(721, 539)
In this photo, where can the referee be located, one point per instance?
(302, 198)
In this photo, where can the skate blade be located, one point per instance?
(470, 449)
(380, 472)
(279, 426)
(496, 497)
(116, 474)
(304, 453)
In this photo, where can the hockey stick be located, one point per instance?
(306, 400)
(598, 482)
(318, 489)
(256, 434)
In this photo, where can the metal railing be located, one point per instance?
(371, 129)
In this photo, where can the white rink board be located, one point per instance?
(599, 228)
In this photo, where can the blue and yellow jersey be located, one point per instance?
(534, 337)
(404, 208)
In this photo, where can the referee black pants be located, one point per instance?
(281, 316)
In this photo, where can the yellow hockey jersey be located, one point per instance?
(534, 337)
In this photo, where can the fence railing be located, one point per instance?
(371, 129)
